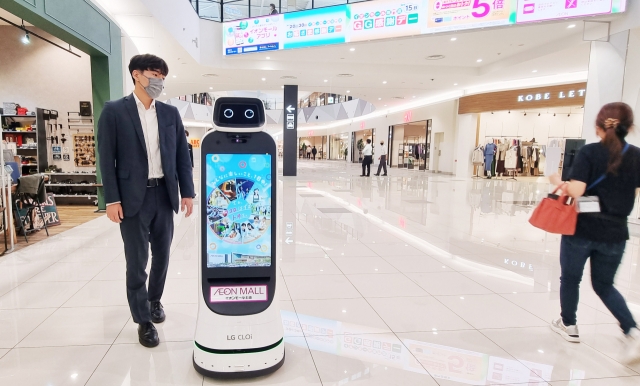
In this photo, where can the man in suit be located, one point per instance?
(145, 165)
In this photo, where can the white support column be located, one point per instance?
(465, 142)
(606, 79)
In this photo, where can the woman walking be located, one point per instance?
(610, 171)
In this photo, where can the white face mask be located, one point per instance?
(155, 87)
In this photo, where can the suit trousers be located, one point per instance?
(383, 164)
(153, 224)
(366, 165)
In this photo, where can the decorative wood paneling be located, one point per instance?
(83, 19)
(525, 99)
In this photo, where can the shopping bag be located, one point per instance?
(556, 214)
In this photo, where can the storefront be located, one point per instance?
(339, 146)
(526, 132)
(306, 145)
(359, 141)
(410, 144)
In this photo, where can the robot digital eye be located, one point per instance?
(249, 113)
(228, 113)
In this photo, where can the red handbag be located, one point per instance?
(556, 214)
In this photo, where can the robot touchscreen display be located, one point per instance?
(238, 210)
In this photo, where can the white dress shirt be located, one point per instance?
(383, 150)
(368, 150)
(149, 121)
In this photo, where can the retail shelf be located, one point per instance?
(76, 195)
(18, 132)
(87, 185)
(18, 116)
(23, 165)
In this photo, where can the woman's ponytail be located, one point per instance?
(615, 119)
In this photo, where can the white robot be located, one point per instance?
(239, 329)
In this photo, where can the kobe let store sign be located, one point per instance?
(532, 98)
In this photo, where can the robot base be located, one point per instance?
(232, 364)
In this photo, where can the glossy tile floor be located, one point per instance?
(413, 279)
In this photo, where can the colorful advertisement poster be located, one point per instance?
(315, 27)
(252, 35)
(454, 15)
(539, 10)
(371, 20)
(238, 210)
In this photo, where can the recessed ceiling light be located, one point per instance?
(344, 75)
(479, 60)
(379, 99)
(435, 57)
(455, 84)
(210, 88)
(264, 79)
(348, 91)
(164, 93)
(352, 49)
(325, 81)
(571, 26)
(268, 57)
(454, 39)
(534, 71)
(385, 105)
(281, 86)
(209, 75)
(384, 82)
(414, 96)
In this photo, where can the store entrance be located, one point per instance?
(410, 145)
(359, 142)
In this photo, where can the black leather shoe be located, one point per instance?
(148, 335)
(157, 312)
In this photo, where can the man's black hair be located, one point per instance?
(148, 62)
(368, 140)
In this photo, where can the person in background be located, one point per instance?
(367, 153)
(610, 171)
(308, 152)
(383, 159)
(314, 151)
(272, 9)
(190, 148)
(147, 175)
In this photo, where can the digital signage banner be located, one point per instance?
(315, 27)
(252, 35)
(453, 15)
(540, 10)
(381, 19)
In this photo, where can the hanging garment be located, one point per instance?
(489, 154)
(511, 159)
(554, 155)
(477, 157)
(542, 163)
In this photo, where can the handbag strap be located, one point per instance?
(602, 177)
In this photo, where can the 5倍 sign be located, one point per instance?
(548, 95)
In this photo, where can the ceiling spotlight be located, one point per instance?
(414, 96)
(568, 115)
(571, 26)
(454, 39)
(175, 76)
(325, 80)
(26, 39)
(554, 114)
(385, 105)
(534, 71)
(268, 57)
(210, 88)
(379, 99)
(348, 91)
(479, 60)
(455, 84)
(509, 111)
(384, 82)
(164, 93)
(281, 86)
(352, 49)
(538, 114)
(492, 113)
(525, 114)
(263, 79)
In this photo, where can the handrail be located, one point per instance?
(230, 10)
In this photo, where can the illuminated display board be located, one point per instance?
(382, 19)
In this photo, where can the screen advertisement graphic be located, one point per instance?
(238, 210)
(371, 20)
(315, 27)
(252, 35)
(540, 10)
(453, 15)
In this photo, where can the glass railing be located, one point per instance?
(229, 10)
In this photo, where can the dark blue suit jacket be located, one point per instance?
(123, 154)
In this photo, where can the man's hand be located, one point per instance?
(115, 214)
(187, 204)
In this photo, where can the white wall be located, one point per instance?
(631, 88)
(42, 75)
(465, 142)
(443, 116)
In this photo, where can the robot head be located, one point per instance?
(238, 115)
